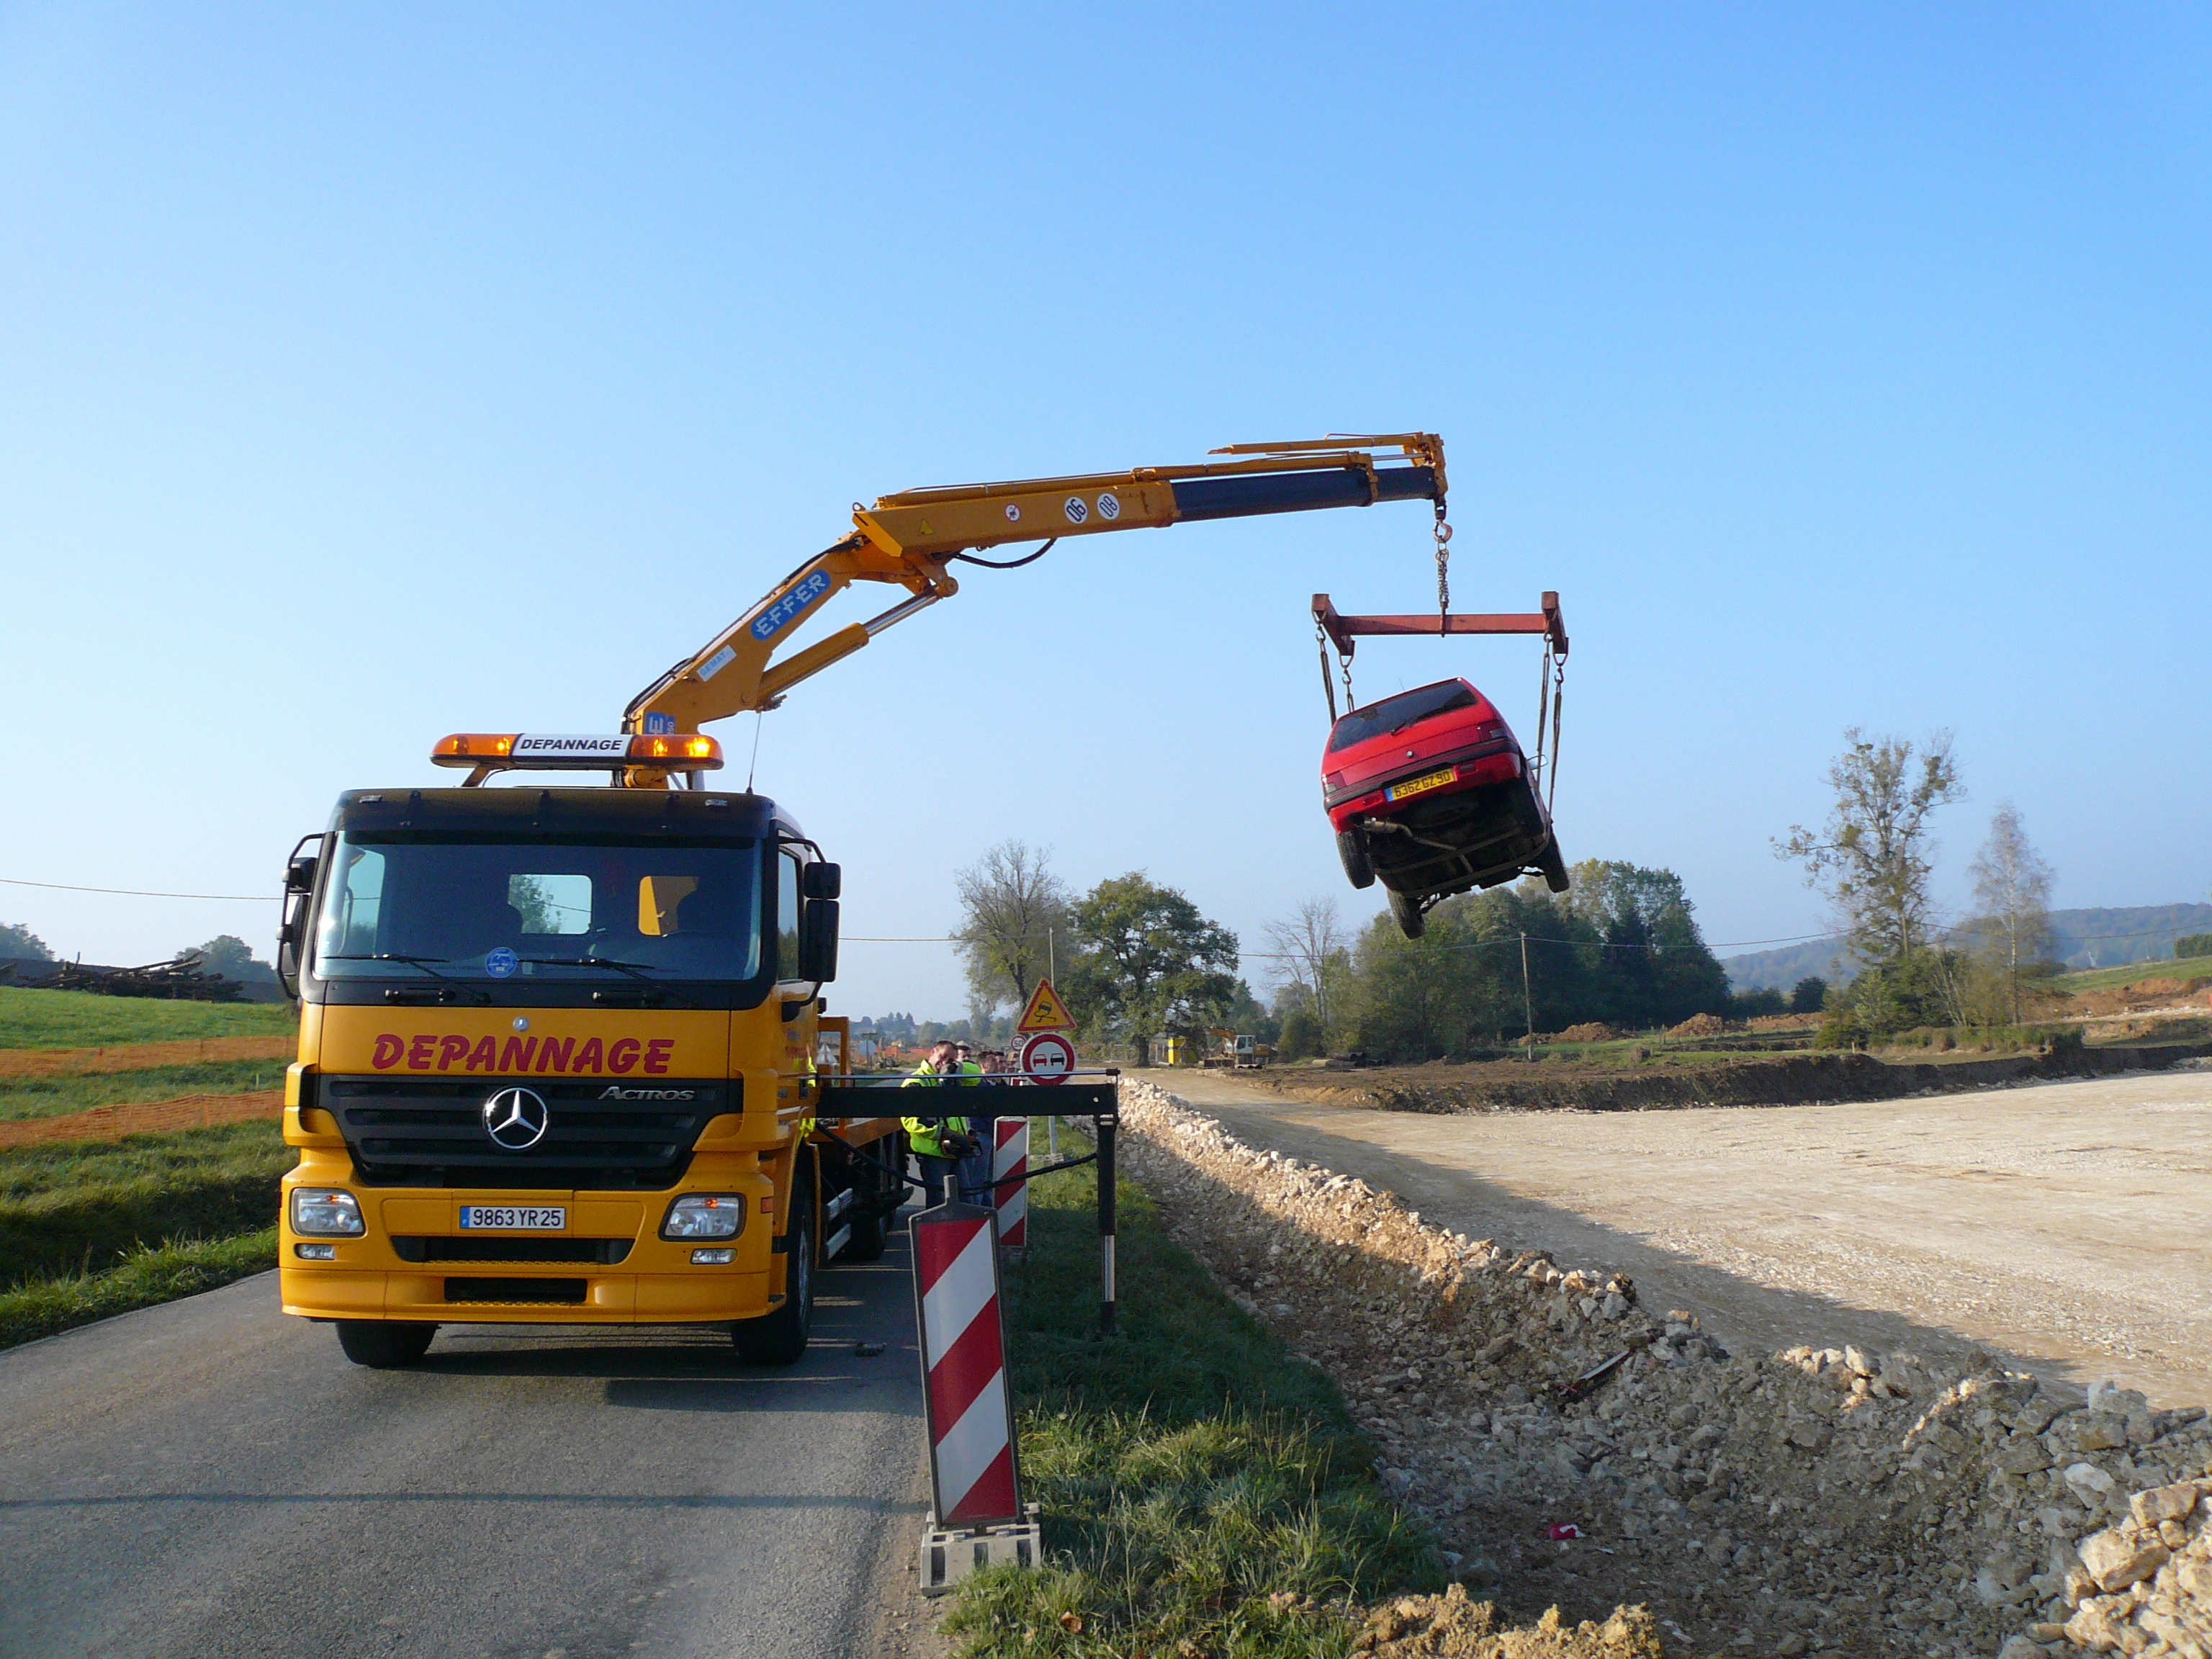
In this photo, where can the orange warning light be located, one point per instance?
(474, 747)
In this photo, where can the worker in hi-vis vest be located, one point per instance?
(939, 1142)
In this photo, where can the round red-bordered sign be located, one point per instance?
(1048, 1056)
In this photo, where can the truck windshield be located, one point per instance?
(660, 910)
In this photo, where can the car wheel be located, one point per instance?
(384, 1343)
(1405, 911)
(780, 1338)
(1351, 847)
(1553, 864)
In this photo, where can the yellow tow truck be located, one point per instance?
(558, 1045)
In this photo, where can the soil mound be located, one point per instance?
(1699, 1025)
(1591, 1031)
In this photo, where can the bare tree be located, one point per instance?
(1013, 909)
(2011, 886)
(1312, 952)
(1873, 857)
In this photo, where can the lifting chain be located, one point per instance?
(1443, 533)
(1321, 644)
(1551, 698)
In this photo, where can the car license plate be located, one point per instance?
(513, 1218)
(1426, 781)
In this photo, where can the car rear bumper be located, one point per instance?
(1479, 766)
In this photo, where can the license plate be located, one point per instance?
(513, 1218)
(1419, 786)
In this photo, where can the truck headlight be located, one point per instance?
(328, 1212)
(705, 1215)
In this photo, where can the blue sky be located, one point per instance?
(370, 373)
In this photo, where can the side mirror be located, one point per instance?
(817, 940)
(821, 881)
(291, 933)
(300, 874)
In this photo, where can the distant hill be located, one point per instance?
(2087, 939)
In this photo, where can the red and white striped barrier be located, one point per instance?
(973, 1470)
(1012, 1200)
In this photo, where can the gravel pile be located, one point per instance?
(1815, 1501)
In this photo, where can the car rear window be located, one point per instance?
(1405, 709)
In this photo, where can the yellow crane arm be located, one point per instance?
(907, 539)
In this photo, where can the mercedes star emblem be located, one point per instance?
(516, 1119)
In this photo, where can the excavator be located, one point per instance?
(558, 1045)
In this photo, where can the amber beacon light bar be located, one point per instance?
(486, 752)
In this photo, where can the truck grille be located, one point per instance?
(430, 1132)
(606, 1252)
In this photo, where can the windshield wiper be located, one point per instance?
(424, 963)
(635, 970)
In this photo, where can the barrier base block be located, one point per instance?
(948, 1557)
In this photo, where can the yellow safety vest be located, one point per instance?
(922, 1133)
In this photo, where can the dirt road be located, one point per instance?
(2066, 1227)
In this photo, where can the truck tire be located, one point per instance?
(780, 1338)
(1405, 911)
(1351, 847)
(1553, 864)
(384, 1343)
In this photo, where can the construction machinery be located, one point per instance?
(559, 1046)
(1237, 1051)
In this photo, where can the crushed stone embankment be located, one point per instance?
(1823, 1501)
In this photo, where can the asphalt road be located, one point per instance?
(213, 1477)
(2066, 1227)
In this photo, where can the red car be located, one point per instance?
(1429, 792)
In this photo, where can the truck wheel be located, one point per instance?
(1351, 847)
(1405, 911)
(1554, 867)
(780, 1338)
(384, 1343)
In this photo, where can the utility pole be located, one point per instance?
(1528, 1003)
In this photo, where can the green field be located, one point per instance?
(2133, 972)
(56, 1097)
(82, 1206)
(1188, 1471)
(79, 1019)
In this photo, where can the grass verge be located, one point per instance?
(57, 1096)
(79, 1019)
(1205, 1494)
(83, 1207)
(141, 1279)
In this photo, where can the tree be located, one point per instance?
(1012, 908)
(1301, 1034)
(1808, 994)
(232, 957)
(2011, 886)
(1873, 857)
(16, 939)
(1654, 968)
(1148, 963)
(1313, 953)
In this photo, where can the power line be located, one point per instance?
(133, 892)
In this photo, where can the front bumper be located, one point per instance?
(654, 1281)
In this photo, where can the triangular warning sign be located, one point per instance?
(1045, 1012)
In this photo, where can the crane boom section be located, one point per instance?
(907, 538)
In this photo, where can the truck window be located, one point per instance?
(551, 903)
(786, 915)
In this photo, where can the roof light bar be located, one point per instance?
(501, 751)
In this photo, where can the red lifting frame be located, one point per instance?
(1547, 621)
